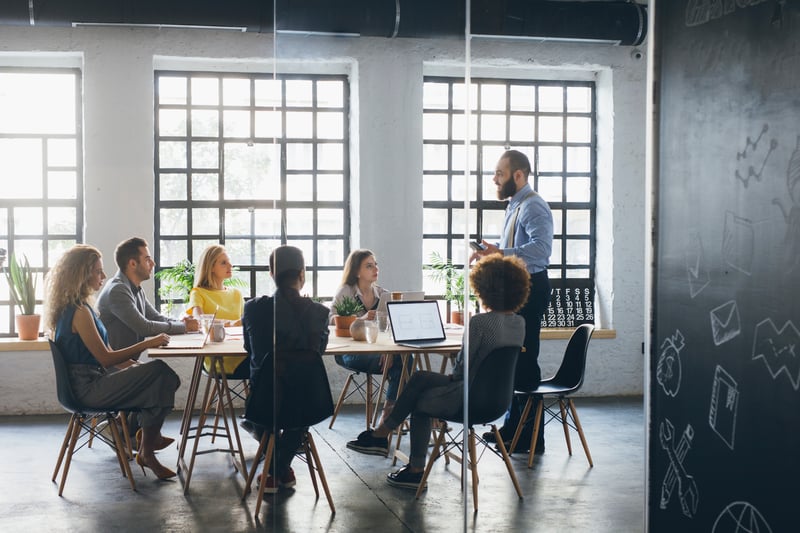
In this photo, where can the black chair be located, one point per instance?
(294, 394)
(80, 424)
(567, 380)
(489, 397)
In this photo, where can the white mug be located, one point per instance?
(217, 331)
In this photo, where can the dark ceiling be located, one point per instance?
(619, 22)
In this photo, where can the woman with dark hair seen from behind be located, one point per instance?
(285, 321)
(99, 375)
(502, 285)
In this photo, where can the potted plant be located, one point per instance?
(443, 271)
(177, 282)
(346, 311)
(22, 287)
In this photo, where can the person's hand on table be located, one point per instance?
(192, 324)
(162, 339)
(369, 315)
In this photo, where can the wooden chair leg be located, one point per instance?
(565, 424)
(580, 432)
(535, 433)
(126, 434)
(264, 471)
(434, 455)
(384, 380)
(318, 467)
(507, 460)
(262, 444)
(368, 413)
(64, 445)
(122, 452)
(76, 430)
(92, 432)
(522, 419)
(340, 401)
(310, 463)
(473, 466)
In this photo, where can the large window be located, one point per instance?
(253, 161)
(41, 176)
(553, 123)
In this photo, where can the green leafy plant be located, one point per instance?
(442, 270)
(348, 306)
(22, 284)
(177, 282)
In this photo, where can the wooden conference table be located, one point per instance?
(217, 384)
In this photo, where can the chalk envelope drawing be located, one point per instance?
(676, 476)
(738, 243)
(724, 405)
(740, 517)
(725, 322)
(695, 266)
(668, 368)
(778, 349)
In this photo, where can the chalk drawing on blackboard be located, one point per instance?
(699, 12)
(738, 243)
(791, 214)
(740, 517)
(725, 323)
(668, 368)
(778, 349)
(749, 153)
(724, 404)
(695, 266)
(688, 494)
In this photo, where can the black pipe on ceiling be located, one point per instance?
(620, 22)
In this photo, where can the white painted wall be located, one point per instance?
(386, 158)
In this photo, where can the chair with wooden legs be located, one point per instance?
(80, 425)
(489, 397)
(366, 388)
(567, 381)
(307, 452)
(295, 393)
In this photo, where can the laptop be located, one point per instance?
(189, 341)
(407, 296)
(418, 324)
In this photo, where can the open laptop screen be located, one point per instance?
(416, 321)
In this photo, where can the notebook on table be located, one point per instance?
(418, 324)
(189, 341)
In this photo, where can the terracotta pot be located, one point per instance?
(343, 324)
(28, 327)
(457, 317)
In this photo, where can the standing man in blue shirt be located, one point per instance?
(528, 234)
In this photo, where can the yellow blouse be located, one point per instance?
(231, 307)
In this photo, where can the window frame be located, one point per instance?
(251, 271)
(45, 202)
(561, 273)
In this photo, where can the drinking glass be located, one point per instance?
(371, 331)
(383, 321)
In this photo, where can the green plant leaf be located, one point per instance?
(22, 284)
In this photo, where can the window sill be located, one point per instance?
(11, 344)
(566, 333)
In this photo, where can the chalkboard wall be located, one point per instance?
(724, 451)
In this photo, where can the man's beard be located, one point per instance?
(507, 190)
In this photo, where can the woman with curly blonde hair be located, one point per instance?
(99, 375)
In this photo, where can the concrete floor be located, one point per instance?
(561, 492)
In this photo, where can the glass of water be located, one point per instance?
(371, 331)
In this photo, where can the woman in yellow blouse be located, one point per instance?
(209, 295)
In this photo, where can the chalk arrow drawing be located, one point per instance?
(778, 349)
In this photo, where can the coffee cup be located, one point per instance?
(217, 331)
